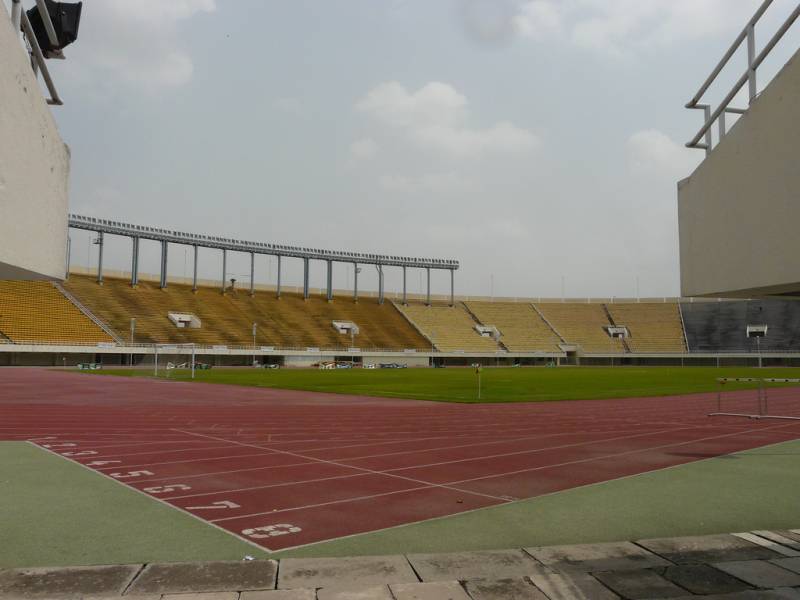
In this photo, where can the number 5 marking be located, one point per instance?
(215, 505)
(164, 489)
(130, 474)
(267, 531)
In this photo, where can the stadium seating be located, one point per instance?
(722, 326)
(451, 329)
(227, 319)
(652, 327)
(37, 312)
(582, 324)
(521, 327)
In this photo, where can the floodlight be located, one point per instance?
(65, 18)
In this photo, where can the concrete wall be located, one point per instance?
(34, 170)
(739, 212)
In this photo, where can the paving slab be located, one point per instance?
(517, 588)
(776, 594)
(221, 576)
(779, 538)
(768, 542)
(305, 594)
(791, 564)
(703, 579)
(203, 596)
(456, 566)
(572, 586)
(353, 573)
(614, 556)
(378, 592)
(640, 585)
(437, 590)
(66, 582)
(760, 573)
(707, 549)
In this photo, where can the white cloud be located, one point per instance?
(654, 153)
(435, 117)
(135, 43)
(363, 149)
(618, 26)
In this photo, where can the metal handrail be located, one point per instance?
(749, 77)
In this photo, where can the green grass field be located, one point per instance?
(497, 384)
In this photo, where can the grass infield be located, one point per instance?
(497, 384)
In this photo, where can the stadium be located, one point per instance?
(283, 421)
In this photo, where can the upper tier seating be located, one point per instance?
(449, 328)
(36, 312)
(521, 327)
(227, 319)
(722, 326)
(652, 327)
(582, 324)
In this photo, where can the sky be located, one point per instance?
(538, 142)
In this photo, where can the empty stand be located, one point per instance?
(521, 327)
(227, 319)
(450, 328)
(583, 325)
(652, 327)
(722, 326)
(36, 312)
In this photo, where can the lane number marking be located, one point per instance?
(215, 505)
(59, 445)
(130, 474)
(80, 453)
(165, 489)
(100, 463)
(268, 531)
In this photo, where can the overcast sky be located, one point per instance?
(536, 141)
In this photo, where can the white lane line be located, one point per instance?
(330, 462)
(283, 510)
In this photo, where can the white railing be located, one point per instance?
(749, 77)
(19, 19)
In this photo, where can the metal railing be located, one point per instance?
(19, 19)
(749, 77)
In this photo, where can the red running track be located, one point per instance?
(286, 468)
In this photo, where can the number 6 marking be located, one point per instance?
(267, 531)
(165, 489)
(130, 474)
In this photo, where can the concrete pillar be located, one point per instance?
(380, 284)
(330, 280)
(164, 247)
(405, 295)
(224, 268)
(194, 270)
(355, 282)
(278, 287)
(252, 273)
(134, 261)
(428, 294)
(305, 279)
(99, 242)
(69, 252)
(452, 287)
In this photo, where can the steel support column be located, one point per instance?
(194, 270)
(452, 287)
(428, 294)
(330, 280)
(355, 282)
(134, 261)
(252, 273)
(224, 268)
(164, 246)
(305, 279)
(99, 242)
(278, 287)
(380, 283)
(405, 295)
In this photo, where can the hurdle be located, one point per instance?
(762, 398)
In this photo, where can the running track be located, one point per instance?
(284, 468)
